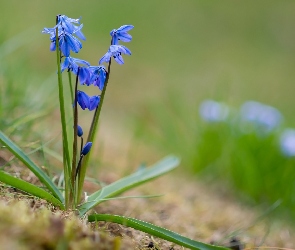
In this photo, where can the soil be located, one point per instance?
(188, 206)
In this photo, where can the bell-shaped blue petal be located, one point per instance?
(53, 46)
(86, 148)
(84, 75)
(98, 76)
(119, 59)
(79, 33)
(83, 99)
(93, 102)
(106, 58)
(68, 42)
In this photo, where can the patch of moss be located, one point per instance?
(32, 224)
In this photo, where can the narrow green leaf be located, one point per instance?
(29, 188)
(126, 183)
(151, 229)
(18, 153)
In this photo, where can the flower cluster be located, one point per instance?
(68, 34)
(65, 36)
(116, 50)
(68, 31)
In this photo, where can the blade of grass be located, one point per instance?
(29, 188)
(131, 181)
(18, 153)
(151, 229)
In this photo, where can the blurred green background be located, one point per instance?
(182, 53)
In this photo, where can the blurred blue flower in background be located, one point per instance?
(263, 117)
(287, 142)
(213, 111)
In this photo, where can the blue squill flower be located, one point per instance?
(68, 42)
(73, 64)
(98, 76)
(116, 52)
(86, 148)
(66, 35)
(67, 24)
(87, 102)
(82, 99)
(121, 34)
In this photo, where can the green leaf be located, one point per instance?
(131, 181)
(151, 229)
(29, 188)
(18, 153)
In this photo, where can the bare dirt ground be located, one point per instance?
(187, 206)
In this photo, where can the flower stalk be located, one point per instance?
(66, 159)
(92, 133)
(74, 159)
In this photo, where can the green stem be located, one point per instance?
(66, 160)
(71, 86)
(74, 159)
(91, 135)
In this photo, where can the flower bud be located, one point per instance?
(86, 148)
(79, 131)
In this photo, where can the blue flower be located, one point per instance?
(87, 102)
(86, 148)
(66, 24)
(67, 42)
(121, 34)
(66, 31)
(82, 99)
(115, 51)
(72, 64)
(98, 76)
